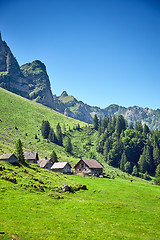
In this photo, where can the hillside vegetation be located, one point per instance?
(35, 208)
(22, 119)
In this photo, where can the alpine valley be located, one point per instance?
(32, 82)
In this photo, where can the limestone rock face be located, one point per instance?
(38, 82)
(11, 77)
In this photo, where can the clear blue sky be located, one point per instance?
(100, 51)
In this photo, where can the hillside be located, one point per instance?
(22, 118)
(35, 208)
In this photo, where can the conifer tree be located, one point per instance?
(123, 161)
(158, 171)
(135, 171)
(68, 145)
(19, 152)
(120, 125)
(52, 136)
(156, 155)
(45, 129)
(59, 135)
(128, 167)
(54, 156)
(95, 122)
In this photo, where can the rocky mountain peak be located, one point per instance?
(64, 94)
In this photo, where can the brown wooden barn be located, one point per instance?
(11, 158)
(89, 166)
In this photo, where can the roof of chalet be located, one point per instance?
(30, 155)
(59, 165)
(7, 156)
(43, 162)
(91, 163)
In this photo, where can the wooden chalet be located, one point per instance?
(63, 167)
(45, 163)
(11, 158)
(31, 157)
(89, 166)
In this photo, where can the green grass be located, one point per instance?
(21, 118)
(109, 209)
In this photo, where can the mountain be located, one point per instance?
(70, 106)
(38, 83)
(11, 77)
(32, 81)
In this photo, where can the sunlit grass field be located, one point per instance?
(109, 209)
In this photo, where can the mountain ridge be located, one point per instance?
(32, 81)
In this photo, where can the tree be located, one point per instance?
(68, 145)
(95, 122)
(146, 130)
(157, 171)
(156, 155)
(123, 161)
(139, 127)
(52, 136)
(135, 171)
(45, 129)
(59, 135)
(19, 152)
(54, 157)
(120, 125)
(128, 167)
(145, 161)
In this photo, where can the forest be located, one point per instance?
(134, 149)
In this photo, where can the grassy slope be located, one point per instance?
(109, 209)
(21, 118)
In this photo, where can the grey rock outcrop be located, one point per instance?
(11, 77)
(38, 82)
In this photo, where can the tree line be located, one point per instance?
(133, 149)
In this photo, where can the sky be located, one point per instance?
(100, 51)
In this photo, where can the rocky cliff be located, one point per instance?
(11, 77)
(38, 83)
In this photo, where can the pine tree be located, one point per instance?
(135, 171)
(45, 129)
(128, 167)
(59, 135)
(156, 156)
(123, 161)
(54, 157)
(68, 145)
(120, 125)
(52, 136)
(145, 161)
(19, 152)
(95, 122)
(146, 130)
(158, 171)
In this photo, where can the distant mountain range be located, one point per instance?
(31, 81)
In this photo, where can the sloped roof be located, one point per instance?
(91, 163)
(30, 155)
(43, 162)
(59, 165)
(6, 156)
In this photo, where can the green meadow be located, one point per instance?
(109, 209)
(35, 208)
